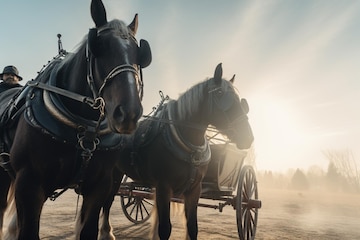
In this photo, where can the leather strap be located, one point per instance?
(62, 92)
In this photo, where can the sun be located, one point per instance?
(279, 133)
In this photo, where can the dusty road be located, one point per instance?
(284, 215)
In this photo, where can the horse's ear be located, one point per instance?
(232, 79)
(133, 26)
(218, 74)
(93, 41)
(144, 57)
(98, 13)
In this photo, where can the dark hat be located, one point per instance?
(10, 70)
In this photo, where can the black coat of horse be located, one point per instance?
(68, 134)
(170, 150)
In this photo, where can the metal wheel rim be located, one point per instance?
(137, 209)
(246, 217)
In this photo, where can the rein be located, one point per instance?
(63, 92)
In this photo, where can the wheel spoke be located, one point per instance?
(133, 208)
(246, 212)
(130, 202)
(136, 208)
(145, 208)
(148, 202)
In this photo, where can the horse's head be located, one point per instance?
(229, 112)
(115, 68)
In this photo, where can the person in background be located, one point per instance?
(10, 78)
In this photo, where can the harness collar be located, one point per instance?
(197, 155)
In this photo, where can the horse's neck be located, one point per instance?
(192, 135)
(73, 77)
(192, 128)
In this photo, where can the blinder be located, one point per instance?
(244, 105)
(144, 54)
(225, 100)
(144, 59)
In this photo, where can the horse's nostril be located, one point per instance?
(119, 114)
(122, 114)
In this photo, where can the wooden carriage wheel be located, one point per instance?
(137, 203)
(247, 203)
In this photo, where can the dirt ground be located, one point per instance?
(284, 215)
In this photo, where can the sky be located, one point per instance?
(296, 62)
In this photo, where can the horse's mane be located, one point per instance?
(191, 101)
(45, 73)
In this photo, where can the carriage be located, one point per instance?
(228, 181)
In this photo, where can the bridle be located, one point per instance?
(114, 72)
(215, 102)
(96, 101)
(215, 105)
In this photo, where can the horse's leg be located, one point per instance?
(11, 232)
(105, 227)
(5, 181)
(29, 198)
(12, 228)
(87, 222)
(154, 233)
(94, 198)
(163, 195)
(191, 200)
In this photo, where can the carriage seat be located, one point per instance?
(223, 169)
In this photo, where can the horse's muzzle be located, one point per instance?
(124, 120)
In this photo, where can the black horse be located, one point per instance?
(68, 134)
(170, 151)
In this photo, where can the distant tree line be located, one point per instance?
(342, 174)
(343, 170)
